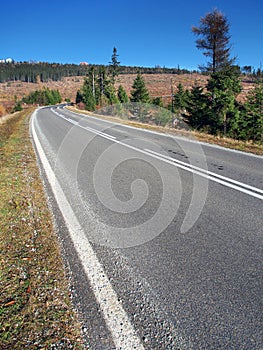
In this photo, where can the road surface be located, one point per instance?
(162, 235)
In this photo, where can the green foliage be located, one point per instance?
(79, 97)
(17, 107)
(139, 92)
(42, 71)
(254, 108)
(163, 117)
(86, 95)
(114, 66)
(99, 90)
(32, 72)
(43, 97)
(157, 101)
(215, 110)
(102, 82)
(198, 114)
(110, 94)
(122, 95)
(248, 125)
(180, 98)
(223, 88)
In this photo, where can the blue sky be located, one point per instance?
(145, 33)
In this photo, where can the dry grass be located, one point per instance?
(35, 304)
(157, 84)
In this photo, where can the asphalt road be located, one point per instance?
(162, 235)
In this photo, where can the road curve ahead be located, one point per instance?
(162, 235)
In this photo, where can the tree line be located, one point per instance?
(35, 72)
(43, 72)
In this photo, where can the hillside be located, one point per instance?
(157, 84)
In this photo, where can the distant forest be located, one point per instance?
(43, 72)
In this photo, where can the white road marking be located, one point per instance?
(74, 122)
(228, 182)
(117, 320)
(206, 144)
(207, 172)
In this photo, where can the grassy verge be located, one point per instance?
(245, 146)
(35, 305)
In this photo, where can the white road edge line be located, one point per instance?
(197, 172)
(97, 132)
(116, 318)
(170, 135)
(213, 177)
(228, 182)
(227, 179)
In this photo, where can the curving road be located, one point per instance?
(162, 235)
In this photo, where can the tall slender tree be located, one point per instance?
(102, 84)
(214, 38)
(114, 66)
(85, 95)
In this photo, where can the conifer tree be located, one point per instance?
(87, 95)
(102, 83)
(197, 115)
(114, 66)
(122, 95)
(180, 98)
(110, 94)
(214, 39)
(157, 101)
(139, 92)
(249, 123)
(223, 88)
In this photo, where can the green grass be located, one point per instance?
(35, 304)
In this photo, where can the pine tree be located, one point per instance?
(214, 40)
(249, 123)
(79, 97)
(114, 65)
(157, 101)
(110, 94)
(122, 95)
(102, 83)
(87, 95)
(197, 115)
(180, 98)
(223, 88)
(139, 92)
